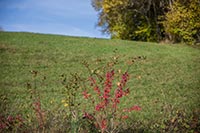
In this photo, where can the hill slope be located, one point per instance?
(168, 78)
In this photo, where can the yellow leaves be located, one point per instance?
(142, 30)
(113, 5)
(182, 21)
(106, 8)
(65, 103)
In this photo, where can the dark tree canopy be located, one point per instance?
(135, 19)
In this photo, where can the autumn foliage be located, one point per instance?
(150, 20)
(183, 21)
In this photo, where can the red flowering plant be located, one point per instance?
(11, 123)
(40, 114)
(105, 98)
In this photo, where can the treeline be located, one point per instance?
(150, 20)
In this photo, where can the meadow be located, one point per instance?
(164, 80)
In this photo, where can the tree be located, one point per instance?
(150, 20)
(131, 19)
(182, 22)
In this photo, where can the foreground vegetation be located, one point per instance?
(40, 76)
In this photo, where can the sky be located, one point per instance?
(65, 17)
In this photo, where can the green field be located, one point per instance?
(166, 81)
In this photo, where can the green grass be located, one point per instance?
(170, 74)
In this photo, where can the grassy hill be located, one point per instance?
(167, 81)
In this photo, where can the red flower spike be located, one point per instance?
(97, 90)
(107, 87)
(10, 118)
(99, 106)
(2, 126)
(88, 116)
(125, 117)
(105, 96)
(126, 92)
(118, 93)
(136, 108)
(103, 124)
(85, 94)
(124, 79)
(92, 80)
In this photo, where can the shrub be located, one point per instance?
(103, 98)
